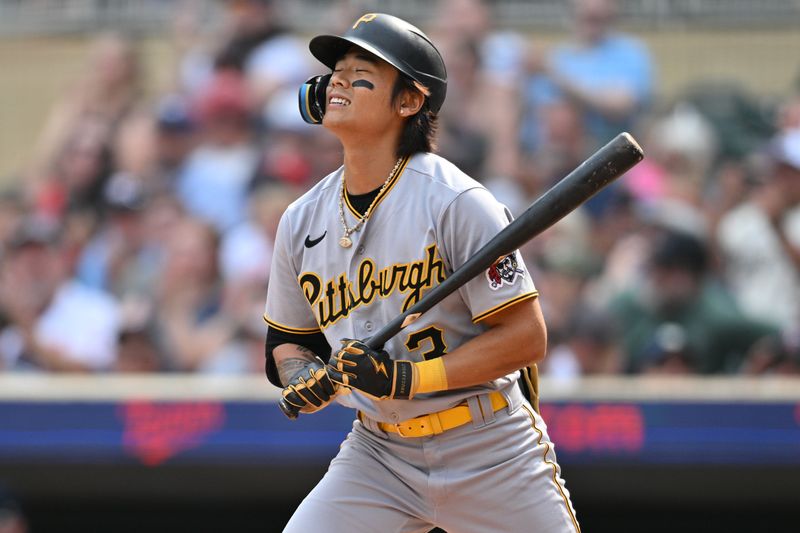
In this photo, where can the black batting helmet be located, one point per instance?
(395, 41)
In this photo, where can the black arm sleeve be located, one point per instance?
(315, 342)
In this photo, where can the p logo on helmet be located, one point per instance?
(369, 17)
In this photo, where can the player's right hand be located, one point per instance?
(311, 389)
(372, 372)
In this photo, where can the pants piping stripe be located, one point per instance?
(555, 469)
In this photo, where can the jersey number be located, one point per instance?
(432, 333)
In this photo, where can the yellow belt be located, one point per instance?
(436, 423)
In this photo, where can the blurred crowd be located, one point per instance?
(140, 238)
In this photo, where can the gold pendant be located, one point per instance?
(345, 242)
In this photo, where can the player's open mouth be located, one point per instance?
(336, 100)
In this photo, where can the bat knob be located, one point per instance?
(288, 409)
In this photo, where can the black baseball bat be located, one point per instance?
(601, 168)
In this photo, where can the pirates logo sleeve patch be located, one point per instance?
(504, 271)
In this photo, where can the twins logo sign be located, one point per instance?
(504, 270)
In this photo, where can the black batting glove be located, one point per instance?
(373, 372)
(311, 389)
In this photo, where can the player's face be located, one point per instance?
(359, 95)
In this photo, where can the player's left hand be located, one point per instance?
(373, 372)
(311, 389)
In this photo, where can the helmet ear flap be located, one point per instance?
(312, 98)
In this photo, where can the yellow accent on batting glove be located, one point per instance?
(373, 372)
(311, 389)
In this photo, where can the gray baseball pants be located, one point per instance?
(496, 474)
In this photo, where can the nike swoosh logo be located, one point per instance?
(310, 243)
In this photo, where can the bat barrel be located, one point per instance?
(599, 170)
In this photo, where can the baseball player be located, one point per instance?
(444, 435)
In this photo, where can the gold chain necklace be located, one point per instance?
(345, 241)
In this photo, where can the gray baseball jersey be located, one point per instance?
(497, 473)
(428, 221)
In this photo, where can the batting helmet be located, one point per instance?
(395, 41)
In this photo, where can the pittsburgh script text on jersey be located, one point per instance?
(339, 297)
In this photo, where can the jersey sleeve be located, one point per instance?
(467, 224)
(287, 309)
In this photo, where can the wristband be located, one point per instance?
(431, 376)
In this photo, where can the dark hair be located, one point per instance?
(419, 131)
(678, 250)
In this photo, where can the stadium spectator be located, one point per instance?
(278, 61)
(188, 316)
(462, 136)
(774, 355)
(118, 259)
(255, 42)
(52, 321)
(243, 353)
(494, 88)
(742, 122)
(679, 320)
(214, 180)
(137, 352)
(78, 174)
(284, 158)
(566, 141)
(681, 147)
(246, 250)
(760, 240)
(109, 89)
(608, 74)
(562, 257)
(587, 347)
(176, 137)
